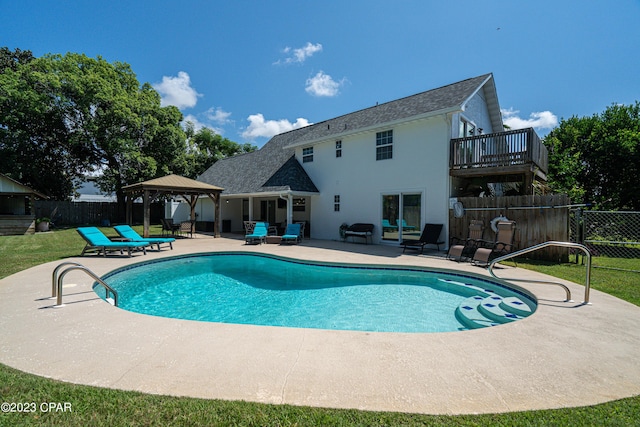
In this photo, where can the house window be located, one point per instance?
(384, 145)
(307, 155)
(466, 129)
(336, 203)
(338, 148)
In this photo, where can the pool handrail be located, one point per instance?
(54, 276)
(587, 286)
(76, 266)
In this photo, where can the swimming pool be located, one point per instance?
(259, 289)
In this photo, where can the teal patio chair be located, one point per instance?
(259, 233)
(292, 234)
(97, 242)
(406, 226)
(126, 232)
(386, 226)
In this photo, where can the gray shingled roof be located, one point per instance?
(447, 98)
(272, 168)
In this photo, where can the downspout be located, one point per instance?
(289, 200)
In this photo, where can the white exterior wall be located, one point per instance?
(477, 112)
(419, 165)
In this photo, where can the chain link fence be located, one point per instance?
(614, 234)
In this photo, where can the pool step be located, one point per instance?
(491, 308)
(481, 311)
(517, 306)
(469, 315)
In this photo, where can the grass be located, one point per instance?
(611, 275)
(98, 406)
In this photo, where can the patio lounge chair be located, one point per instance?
(169, 227)
(259, 233)
(460, 249)
(406, 226)
(97, 242)
(292, 234)
(126, 232)
(430, 235)
(386, 226)
(502, 245)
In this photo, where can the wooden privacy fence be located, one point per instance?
(538, 219)
(64, 213)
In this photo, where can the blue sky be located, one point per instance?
(251, 69)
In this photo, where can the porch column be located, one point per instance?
(289, 208)
(250, 208)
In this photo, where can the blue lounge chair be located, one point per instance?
(291, 234)
(259, 233)
(97, 242)
(386, 226)
(126, 232)
(406, 226)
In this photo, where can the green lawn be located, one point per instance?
(97, 406)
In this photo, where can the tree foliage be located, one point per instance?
(62, 117)
(597, 159)
(205, 147)
(65, 116)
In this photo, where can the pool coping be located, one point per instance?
(564, 355)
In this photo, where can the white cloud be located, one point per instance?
(537, 120)
(197, 124)
(218, 115)
(177, 91)
(259, 127)
(301, 54)
(323, 85)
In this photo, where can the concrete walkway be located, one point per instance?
(566, 354)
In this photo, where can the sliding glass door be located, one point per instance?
(401, 216)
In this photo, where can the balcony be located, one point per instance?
(515, 152)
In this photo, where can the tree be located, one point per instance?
(62, 117)
(597, 159)
(205, 147)
(9, 60)
(33, 136)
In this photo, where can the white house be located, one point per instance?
(395, 165)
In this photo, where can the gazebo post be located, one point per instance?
(147, 213)
(192, 217)
(217, 213)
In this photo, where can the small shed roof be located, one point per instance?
(11, 187)
(173, 184)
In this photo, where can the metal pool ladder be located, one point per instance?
(587, 286)
(56, 282)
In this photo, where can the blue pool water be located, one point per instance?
(265, 290)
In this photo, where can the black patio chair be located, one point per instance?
(430, 236)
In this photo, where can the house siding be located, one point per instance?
(419, 165)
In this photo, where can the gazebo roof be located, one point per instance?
(173, 184)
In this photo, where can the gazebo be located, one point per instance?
(176, 185)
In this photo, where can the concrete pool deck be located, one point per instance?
(565, 355)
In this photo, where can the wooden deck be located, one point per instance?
(503, 153)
